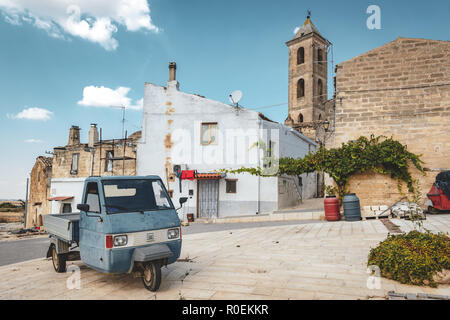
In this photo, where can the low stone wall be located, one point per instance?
(290, 216)
(375, 189)
(11, 216)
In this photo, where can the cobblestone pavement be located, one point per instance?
(307, 261)
(14, 250)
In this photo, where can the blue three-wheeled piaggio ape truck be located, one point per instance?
(126, 224)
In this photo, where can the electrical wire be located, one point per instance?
(267, 107)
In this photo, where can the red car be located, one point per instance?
(440, 193)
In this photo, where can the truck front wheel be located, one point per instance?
(152, 276)
(59, 261)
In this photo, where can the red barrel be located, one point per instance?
(331, 204)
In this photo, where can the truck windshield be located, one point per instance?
(135, 195)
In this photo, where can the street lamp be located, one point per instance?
(326, 125)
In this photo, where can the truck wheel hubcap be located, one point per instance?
(147, 274)
(55, 259)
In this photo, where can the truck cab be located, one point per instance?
(127, 224)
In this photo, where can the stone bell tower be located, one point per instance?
(308, 77)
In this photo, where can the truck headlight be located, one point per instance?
(120, 241)
(173, 233)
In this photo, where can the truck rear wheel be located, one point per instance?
(152, 276)
(59, 261)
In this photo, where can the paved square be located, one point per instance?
(308, 261)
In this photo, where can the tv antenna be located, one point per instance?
(235, 97)
(123, 121)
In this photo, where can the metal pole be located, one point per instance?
(26, 206)
(100, 156)
(114, 152)
(123, 121)
(124, 149)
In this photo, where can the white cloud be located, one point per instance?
(33, 141)
(12, 19)
(32, 114)
(296, 30)
(105, 97)
(139, 104)
(96, 21)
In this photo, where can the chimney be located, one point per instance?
(74, 136)
(93, 135)
(172, 71)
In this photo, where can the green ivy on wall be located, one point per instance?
(374, 154)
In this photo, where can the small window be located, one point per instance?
(301, 55)
(320, 89)
(109, 161)
(74, 166)
(209, 133)
(319, 55)
(67, 208)
(269, 154)
(161, 198)
(92, 197)
(231, 185)
(301, 88)
(300, 118)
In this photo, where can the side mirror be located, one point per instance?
(83, 207)
(183, 200)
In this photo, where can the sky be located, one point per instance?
(73, 62)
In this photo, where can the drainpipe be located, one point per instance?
(258, 206)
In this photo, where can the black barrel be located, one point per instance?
(352, 209)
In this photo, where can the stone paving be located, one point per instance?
(307, 261)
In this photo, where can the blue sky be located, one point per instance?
(47, 60)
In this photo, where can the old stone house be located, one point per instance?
(96, 157)
(76, 161)
(193, 133)
(401, 89)
(38, 201)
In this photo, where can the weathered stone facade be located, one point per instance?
(123, 158)
(98, 158)
(38, 203)
(401, 89)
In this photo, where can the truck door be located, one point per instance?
(92, 236)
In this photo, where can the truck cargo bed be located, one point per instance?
(64, 226)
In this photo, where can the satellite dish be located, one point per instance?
(236, 96)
